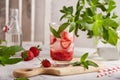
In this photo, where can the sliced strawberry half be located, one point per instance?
(65, 43)
(52, 39)
(64, 35)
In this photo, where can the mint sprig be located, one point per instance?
(84, 62)
(102, 24)
(61, 28)
(6, 54)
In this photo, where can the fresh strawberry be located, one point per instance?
(46, 63)
(35, 50)
(52, 39)
(65, 43)
(27, 55)
(64, 35)
(5, 28)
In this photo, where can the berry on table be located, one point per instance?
(35, 50)
(27, 55)
(46, 63)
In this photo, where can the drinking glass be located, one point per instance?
(61, 49)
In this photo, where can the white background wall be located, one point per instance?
(39, 19)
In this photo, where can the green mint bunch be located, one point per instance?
(84, 62)
(96, 17)
(6, 54)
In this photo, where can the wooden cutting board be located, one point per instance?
(55, 70)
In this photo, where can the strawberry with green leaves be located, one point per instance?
(27, 55)
(35, 50)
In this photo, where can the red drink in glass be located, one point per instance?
(62, 49)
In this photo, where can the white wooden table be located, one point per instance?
(6, 71)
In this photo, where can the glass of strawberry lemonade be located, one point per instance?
(62, 47)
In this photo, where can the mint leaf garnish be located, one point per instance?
(84, 62)
(54, 32)
(77, 63)
(91, 63)
(63, 27)
(83, 57)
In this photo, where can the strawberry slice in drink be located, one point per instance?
(64, 35)
(65, 43)
(52, 39)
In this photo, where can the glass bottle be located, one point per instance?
(14, 34)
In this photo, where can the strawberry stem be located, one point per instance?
(39, 59)
(38, 46)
